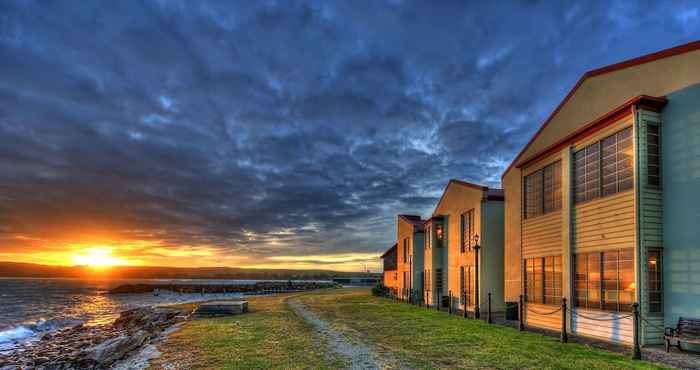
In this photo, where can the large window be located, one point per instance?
(543, 280)
(605, 280)
(467, 230)
(604, 167)
(543, 190)
(654, 274)
(653, 155)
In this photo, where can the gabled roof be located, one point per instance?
(391, 249)
(465, 184)
(414, 220)
(692, 46)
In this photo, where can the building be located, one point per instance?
(435, 261)
(472, 216)
(601, 204)
(391, 279)
(409, 240)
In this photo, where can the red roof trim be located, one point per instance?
(681, 49)
(648, 102)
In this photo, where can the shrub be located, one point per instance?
(380, 290)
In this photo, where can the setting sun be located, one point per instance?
(98, 257)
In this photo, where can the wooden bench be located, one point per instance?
(687, 330)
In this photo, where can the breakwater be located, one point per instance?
(261, 287)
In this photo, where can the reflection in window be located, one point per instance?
(605, 280)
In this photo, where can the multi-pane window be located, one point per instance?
(543, 190)
(543, 280)
(655, 287)
(405, 250)
(439, 234)
(587, 169)
(653, 155)
(428, 237)
(552, 280)
(462, 285)
(438, 279)
(467, 230)
(604, 167)
(605, 280)
(426, 279)
(470, 285)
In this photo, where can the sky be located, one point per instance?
(277, 133)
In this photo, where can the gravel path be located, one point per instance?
(359, 354)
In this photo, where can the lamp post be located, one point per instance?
(477, 314)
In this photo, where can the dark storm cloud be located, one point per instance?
(294, 128)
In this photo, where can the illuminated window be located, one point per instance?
(543, 280)
(439, 234)
(605, 280)
(654, 275)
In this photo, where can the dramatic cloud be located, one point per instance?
(277, 132)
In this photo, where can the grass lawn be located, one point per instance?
(428, 339)
(269, 337)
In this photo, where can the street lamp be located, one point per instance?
(477, 313)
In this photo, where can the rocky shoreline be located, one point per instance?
(94, 347)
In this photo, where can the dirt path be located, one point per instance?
(359, 354)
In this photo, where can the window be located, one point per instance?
(552, 280)
(462, 285)
(604, 167)
(605, 280)
(470, 285)
(467, 230)
(653, 155)
(655, 287)
(543, 190)
(405, 250)
(438, 279)
(439, 233)
(428, 237)
(543, 280)
(587, 169)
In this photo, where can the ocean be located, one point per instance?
(31, 307)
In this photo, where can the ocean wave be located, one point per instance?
(26, 332)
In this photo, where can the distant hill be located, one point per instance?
(16, 269)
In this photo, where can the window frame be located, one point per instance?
(538, 287)
(604, 282)
(467, 230)
(659, 281)
(540, 195)
(599, 165)
(658, 175)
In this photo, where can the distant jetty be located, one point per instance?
(254, 288)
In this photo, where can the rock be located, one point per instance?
(149, 318)
(115, 349)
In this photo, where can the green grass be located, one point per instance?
(427, 339)
(269, 337)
